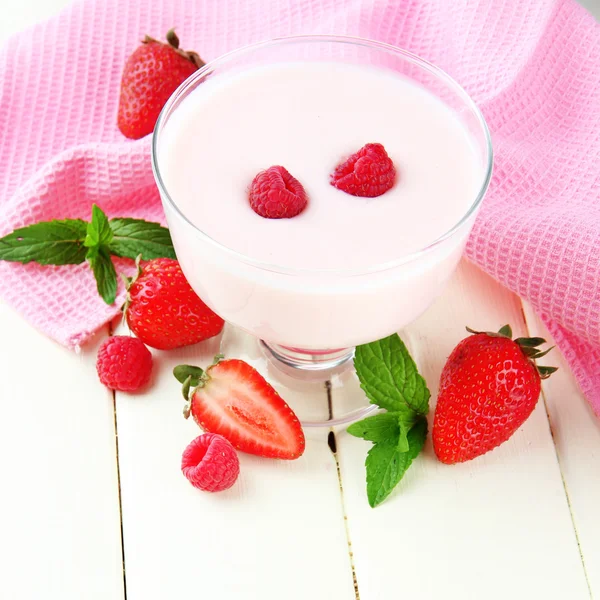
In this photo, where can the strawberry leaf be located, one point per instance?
(105, 274)
(389, 377)
(505, 331)
(184, 372)
(185, 389)
(529, 351)
(46, 243)
(132, 237)
(386, 464)
(545, 372)
(530, 342)
(543, 353)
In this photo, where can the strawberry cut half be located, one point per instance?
(234, 400)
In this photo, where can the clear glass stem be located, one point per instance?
(308, 360)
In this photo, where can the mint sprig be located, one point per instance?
(390, 379)
(73, 241)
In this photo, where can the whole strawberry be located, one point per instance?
(488, 388)
(164, 311)
(151, 74)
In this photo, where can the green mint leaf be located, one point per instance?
(386, 464)
(407, 419)
(378, 428)
(92, 253)
(389, 377)
(47, 243)
(99, 232)
(388, 426)
(184, 372)
(132, 237)
(105, 274)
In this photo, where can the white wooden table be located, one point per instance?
(93, 505)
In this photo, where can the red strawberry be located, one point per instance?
(234, 400)
(275, 194)
(369, 172)
(488, 388)
(151, 74)
(164, 311)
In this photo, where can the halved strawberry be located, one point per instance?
(233, 399)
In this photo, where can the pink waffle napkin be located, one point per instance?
(533, 67)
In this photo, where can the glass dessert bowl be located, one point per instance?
(348, 270)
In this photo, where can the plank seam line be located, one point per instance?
(119, 491)
(560, 468)
(332, 443)
(114, 395)
(568, 498)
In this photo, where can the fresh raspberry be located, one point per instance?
(210, 463)
(368, 173)
(275, 194)
(124, 363)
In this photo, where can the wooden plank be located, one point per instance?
(278, 533)
(576, 433)
(59, 509)
(496, 527)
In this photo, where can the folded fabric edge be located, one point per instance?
(587, 380)
(77, 340)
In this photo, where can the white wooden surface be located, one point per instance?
(522, 522)
(501, 518)
(59, 505)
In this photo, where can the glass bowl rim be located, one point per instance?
(340, 39)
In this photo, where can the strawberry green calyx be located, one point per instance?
(528, 345)
(172, 38)
(128, 282)
(192, 378)
(505, 331)
(173, 42)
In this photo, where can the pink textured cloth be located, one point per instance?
(533, 67)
